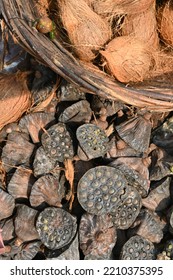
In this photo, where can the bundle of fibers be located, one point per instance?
(87, 31)
(143, 26)
(128, 59)
(165, 22)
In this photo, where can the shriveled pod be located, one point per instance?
(57, 142)
(28, 251)
(21, 183)
(119, 148)
(97, 235)
(128, 59)
(56, 227)
(135, 171)
(47, 189)
(25, 223)
(138, 248)
(7, 204)
(70, 92)
(87, 31)
(15, 97)
(43, 164)
(79, 112)
(17, 151)
(7, 227)
(34, 124)
(159, 198)
(130, 131)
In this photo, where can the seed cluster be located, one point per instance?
(56, 227)
(137, 248)
(57, 142)
(92, 140)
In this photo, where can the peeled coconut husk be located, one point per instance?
(15, 97)
(87, 31)
(128, 59)
(143, 26)
(165, 22)
(42, 7)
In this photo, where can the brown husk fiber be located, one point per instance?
(128, 59)
(143, 26)
(87, 31)
(15, 98)
(165, 22)
(42, 7)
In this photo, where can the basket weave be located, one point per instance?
(157, 95)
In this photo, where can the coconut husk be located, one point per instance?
(165, 22)
(87, 31)
(42, 7)
(143, 26)
(128, 59)
(15, 97)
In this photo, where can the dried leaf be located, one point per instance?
(69, 174)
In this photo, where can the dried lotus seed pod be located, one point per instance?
(7, 204)
(28, 251)
(25, 223)
(97, 235)
(57, 142)
(34, 123)
(7, 227)
(138, 248)
(127, 208)
(100, 188)
(47, 189)
(79, 112)
(21, 183)
(70, 92)
(92, 140)
(56, 227)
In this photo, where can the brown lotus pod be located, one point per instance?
(17, 151)
(119, 148)
(87, 31)
(97, 235)
(136, 25)
(79, 112)
(150, 227)
(70, 92)
(21, 183)
(128, 59)
(135, 171)
(165, 22)
(130, 131)
(15, 97)
(7, 227)
(25, 223)
(6, 204)
(34, 124)
(158, 198)
(47, 189)
(28, 251)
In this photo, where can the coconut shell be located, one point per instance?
(128, 59)
(15, 97)
(143, 26)
(165, 22)
(87, 31)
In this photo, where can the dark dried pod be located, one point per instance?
(17, 151)
(7, 227)
(56, 227)
(7, 204)
(34, 123)
(47, 189)
(43, 164)
(21, 183)
(161, 164)
(69, 92)
(25, 223)
(158, 198)
(130, 131)
(97, 235)
(112, 107)
(97, 257)
(135, 171)
(79, 112)
(150, 226)
(28, 251)
(92, 140)
(11, 249)
(57, 142)
(119, 148)
(127, 209)
(138, 248)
